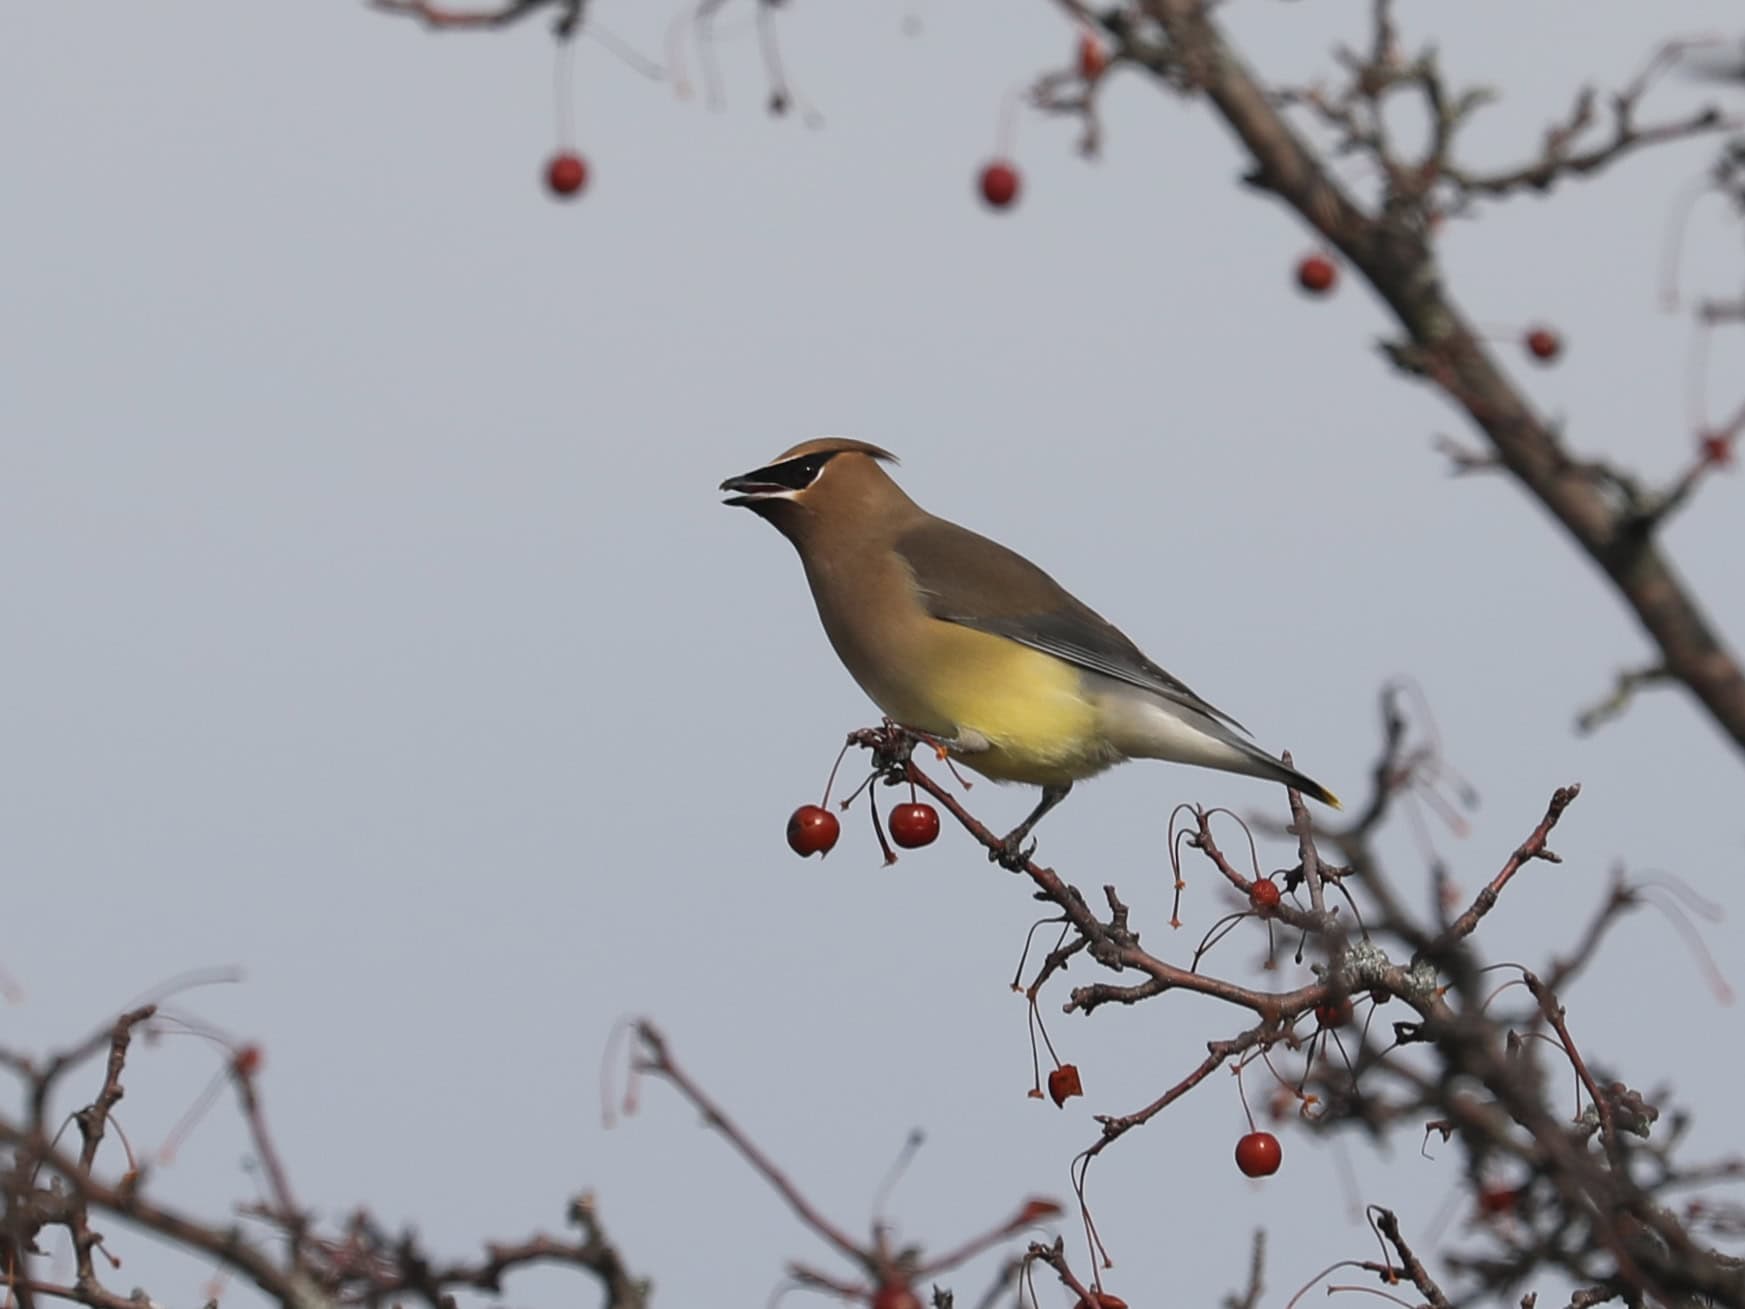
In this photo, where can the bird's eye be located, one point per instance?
(795, 474)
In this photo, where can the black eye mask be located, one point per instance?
(794, 474)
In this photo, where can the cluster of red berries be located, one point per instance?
(813, 829)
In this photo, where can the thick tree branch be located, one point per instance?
(1392, 251)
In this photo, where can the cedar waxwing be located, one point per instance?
(958, 637)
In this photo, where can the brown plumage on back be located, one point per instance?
(954, 635)
(966, 578)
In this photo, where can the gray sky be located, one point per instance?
(372, 624)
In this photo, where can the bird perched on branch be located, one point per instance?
(957, 637)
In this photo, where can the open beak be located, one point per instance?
(748, 490)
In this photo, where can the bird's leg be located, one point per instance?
(1011, 851)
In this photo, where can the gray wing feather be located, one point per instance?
(967, 579)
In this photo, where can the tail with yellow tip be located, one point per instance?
(1308, 786)
(1258, 763)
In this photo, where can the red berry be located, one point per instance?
(894, 1295)
(566, 173)
(1544, 344)
(1263, 894)
(914, 824)
(246, 1062)
(1063, 1084)
(1716, 449)
(812, 829)
(1093, 59)
(1258, 1154)
(999, 184)
(1333, 1014)
(1497, 1199)
(1101, 1300)
(1316, 274)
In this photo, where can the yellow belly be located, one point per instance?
(1030, 707)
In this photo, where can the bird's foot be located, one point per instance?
(1011, 853)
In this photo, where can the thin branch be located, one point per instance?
(656, 1058)
(1532, 848)
(1629, 681)
(1389, 1226)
